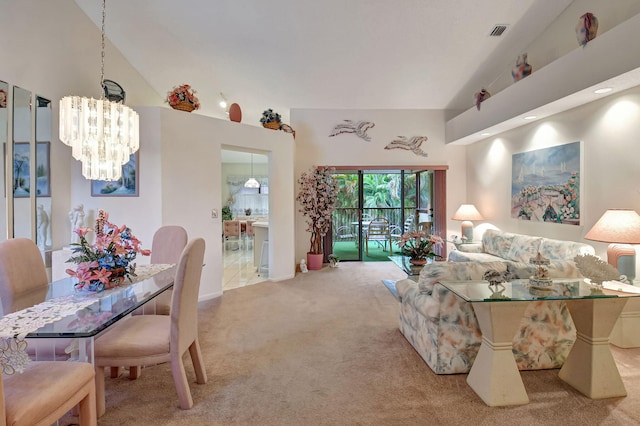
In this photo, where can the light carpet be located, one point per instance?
(324, 349)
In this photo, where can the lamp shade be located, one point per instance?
(467, 212)
(616, 226)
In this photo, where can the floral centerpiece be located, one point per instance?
(418, 246)
(183, 98)
(105, 263)
(271, 119)
(317, 197)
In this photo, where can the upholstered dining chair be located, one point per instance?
(24, 283)
(167, 246)
(231, 231)
(154, 339)
(46, 391)
(22, 271)
(379, 231)
(168, 243)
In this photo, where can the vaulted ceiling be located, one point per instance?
(351, 54)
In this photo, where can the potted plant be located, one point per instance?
(419, 246)
(317, 198)
(183, 98)
(333, 260)
(271, 119)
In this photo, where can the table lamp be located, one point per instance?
(620, 227)
(467, 213)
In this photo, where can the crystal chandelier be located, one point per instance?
(252, 182)
(101, 134)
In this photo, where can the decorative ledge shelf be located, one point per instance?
(612, 60)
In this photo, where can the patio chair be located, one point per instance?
(396, 233)
(378, 231)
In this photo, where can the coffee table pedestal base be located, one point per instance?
(494, 375)
(590, 367)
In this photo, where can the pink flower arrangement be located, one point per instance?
(419, 245)
(183, 93)
(317, 198)
(101, 264)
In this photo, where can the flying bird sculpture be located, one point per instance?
(412, 144)
(360, 129)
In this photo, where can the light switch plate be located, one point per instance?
(214, 213)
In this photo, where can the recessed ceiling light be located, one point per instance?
(485, 134)
(603, 90)
(530, 117)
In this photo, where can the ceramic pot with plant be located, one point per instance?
(317, 197)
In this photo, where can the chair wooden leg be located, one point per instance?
(134, 372)
(115, 372)
(100, 398)
(181, 383)
(87, 407)
(198, 364)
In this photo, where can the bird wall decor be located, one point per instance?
(413, 144)
(359, 128)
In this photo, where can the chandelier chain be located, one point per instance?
(104, 14)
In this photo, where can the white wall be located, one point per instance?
(52, 49)
(609, 131)
(314, 147)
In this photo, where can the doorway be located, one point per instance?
(246, 204)
(399, 199)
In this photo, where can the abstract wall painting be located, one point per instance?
(545, 184)
(128, 184)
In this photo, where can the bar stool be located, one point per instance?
(264, 258)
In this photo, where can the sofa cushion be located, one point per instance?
(557, 269)
(461, 256)
(560, 250)
(523, 248)
(455, 271)
(497, 242)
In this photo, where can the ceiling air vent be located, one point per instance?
(497, 30)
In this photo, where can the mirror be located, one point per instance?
(22, 170)
(4, 119)
(42, 164)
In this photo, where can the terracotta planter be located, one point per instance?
(274, 125)
(314, 261)
(418, 261)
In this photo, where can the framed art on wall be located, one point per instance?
(126, 186)
(22, 172)
(545, 184)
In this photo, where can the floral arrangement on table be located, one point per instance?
(105, 263)
(183, 97)
(317, 197)
(271, 119)
(418, 245)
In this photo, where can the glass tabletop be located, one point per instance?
(60, 310)
(522, 290)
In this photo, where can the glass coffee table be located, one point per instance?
(589, 367)
(402, 262)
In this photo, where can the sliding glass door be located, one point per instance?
(400, 198)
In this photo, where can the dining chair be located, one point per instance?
(46, 391)
(24, 283)
(154, 339)
(378, 231)
(166, 247)
(231, 232)
(250, 233)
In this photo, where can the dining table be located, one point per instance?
(62, 313)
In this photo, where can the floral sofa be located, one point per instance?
(443, 328)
